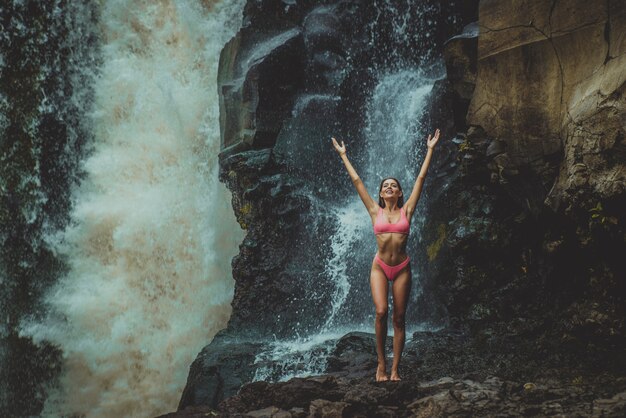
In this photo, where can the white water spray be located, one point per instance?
(307, 356)
(394, 124)
(352, 222)
(152, 231)
(395, 113)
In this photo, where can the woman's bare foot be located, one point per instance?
(395, 377)
(381, 374)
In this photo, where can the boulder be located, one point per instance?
(219, 371)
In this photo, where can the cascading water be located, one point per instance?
(148, 240)
(352, 223)
(152, 232)
(396, 137)
(395, 145)
(48, 53)
(394, 125)
(394, 121)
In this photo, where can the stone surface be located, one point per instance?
(250, 77)
(285, 66)
(527, 219)
(460, 55)
(354, 354)
(219, 372)
(446, 373)
(567, 97)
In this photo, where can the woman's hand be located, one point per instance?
(341, 149)
(431, 142)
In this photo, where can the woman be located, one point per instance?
(391, 219)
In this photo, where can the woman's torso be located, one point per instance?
(391, 245)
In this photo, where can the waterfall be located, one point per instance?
(152, 232)
(394, 125)
(352, 224)
(395, 135)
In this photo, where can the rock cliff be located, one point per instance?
(531, 220)
(525, 235)
(292, 77)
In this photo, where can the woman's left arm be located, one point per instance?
(411, 203)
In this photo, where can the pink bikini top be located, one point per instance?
(381, 226)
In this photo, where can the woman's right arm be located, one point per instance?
(370, 204)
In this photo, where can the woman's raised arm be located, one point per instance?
(411, 203)
(370, 204)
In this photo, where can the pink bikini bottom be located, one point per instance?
(391, 271)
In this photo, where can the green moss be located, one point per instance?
(465, 146)
(245, 209)
(598, 215)
(596, 212)
(433, 249)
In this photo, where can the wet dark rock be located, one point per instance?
(324, 408)
(219, 371)
(515, 229)
(495, 147)
(612, 407)
(294, 75)
(460, 55)
(270, 412)
(354, 354)
(365, 394)
(294, 393)
(279, 88)
(254, 100)
(448, 373)
(193, 412)
(456, 375)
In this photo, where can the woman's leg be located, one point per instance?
(380, 289)
(401, 288)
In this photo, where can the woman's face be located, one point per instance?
(390, 189)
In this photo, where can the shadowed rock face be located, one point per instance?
(529, 222)
(560, 68)
(279, 81)
(219, 371)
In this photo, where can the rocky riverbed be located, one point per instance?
(447, 373)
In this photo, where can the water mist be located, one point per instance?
(152, 231)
